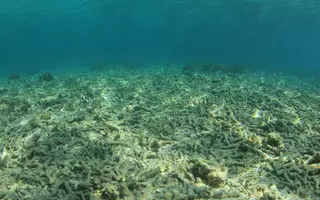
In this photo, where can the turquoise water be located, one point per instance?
(164, 109)
(261, 34)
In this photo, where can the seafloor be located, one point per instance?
(159, 134)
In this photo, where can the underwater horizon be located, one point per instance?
(280, 36)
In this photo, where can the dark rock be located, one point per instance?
(46, 77)
(96, 68)
(188, 70)
(14, 77)
(211, 68)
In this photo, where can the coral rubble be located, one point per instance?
(154, 134)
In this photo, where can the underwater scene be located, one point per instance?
(160, 99)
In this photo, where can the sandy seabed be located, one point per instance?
(159, 134)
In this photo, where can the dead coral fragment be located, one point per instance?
(45, 116)
(272, 194)
(274, 139)
(213, 176)
(315, 159)
(31, 140)
(110, 191)
(3, 90)
(28, 125)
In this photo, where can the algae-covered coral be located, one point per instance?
(159, 134)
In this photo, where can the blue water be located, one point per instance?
(271, 35)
